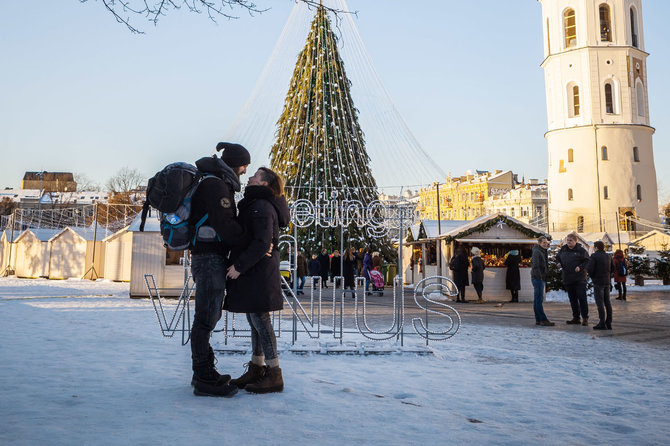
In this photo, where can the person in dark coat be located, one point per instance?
(539, 262)
(301, 270)
(314, 266)
(255, 288)
(367, 267)
(459, 265)
(620, 279)
(599, 271)
(348, 266)
(377, 261)
(335, 270)
(324, 270)
(477, 272)
(513, 276)
(573, 259)
(214, 197)
(360, 255)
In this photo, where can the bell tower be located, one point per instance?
(601, 160)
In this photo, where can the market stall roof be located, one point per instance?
(512, 241)
(486, 223)
(653, 240)
(430, 228)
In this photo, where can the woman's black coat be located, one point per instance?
(459, 265)
(335, 265)
(258, 288)
(513, 277)
(348, 271)
(477, 269)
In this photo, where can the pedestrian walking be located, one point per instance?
(620, 273)
(539, 262)
(335, 270)
(573, 259)
(255, 285)
(512, 275)
(301, 270)
(348, 266)
(477, 273)
(459, 264)
(324, 269)
(314, 267)
(367, 267)
(599, 271)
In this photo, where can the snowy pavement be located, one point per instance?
(83, 364)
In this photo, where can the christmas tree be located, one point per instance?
(320, 147)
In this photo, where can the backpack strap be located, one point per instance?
(143, 218)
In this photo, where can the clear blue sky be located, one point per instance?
(80, 93)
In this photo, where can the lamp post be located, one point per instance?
(439, 230)
(39, 202)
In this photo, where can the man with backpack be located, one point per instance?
(213, 201)
(599, 271)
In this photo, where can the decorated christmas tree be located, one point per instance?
(320, 147)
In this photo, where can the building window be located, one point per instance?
(633, 27)
(570, 155)
(580, 224)
(604, 153)
(511, 211)
(636, 154)
(639, 193)
(573, 100)
(605, 24)
(609, 99)
(570, 28)
(639, 92)
(570, 194)
(606, 193)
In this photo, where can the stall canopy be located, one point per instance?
(653, 241)
(494, 228)
(429, 228)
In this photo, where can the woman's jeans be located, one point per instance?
(209, 274)
(538, 297)
(263, 340)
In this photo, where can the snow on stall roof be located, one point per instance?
(42, 234)
(152, 223)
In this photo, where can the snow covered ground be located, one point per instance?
(83, 364)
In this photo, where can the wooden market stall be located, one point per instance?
(118, 255)
(149, 256)
(33, 251)
(495, 235)
(8, 250)
(77, 253)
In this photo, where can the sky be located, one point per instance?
(80, 93)
(84, 364)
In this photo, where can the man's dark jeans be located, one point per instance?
(209, 274)
(577, 295)
(601, 293)
(538, 297)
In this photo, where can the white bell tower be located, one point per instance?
(601, 160)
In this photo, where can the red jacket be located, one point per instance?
(615, 261)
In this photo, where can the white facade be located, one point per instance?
(599, 139)
(76, 252)
(118, 255)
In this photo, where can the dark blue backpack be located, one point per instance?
(621, 269)
(170, 192)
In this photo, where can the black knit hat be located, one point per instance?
(234, 155)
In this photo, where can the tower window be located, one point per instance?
(571, 156)
(605, 24)
(575, 100)
(570, 194)
(639, 193)
(580, 223)
(570, 28)
(609, 99)
(636, 154)
(639, 92)
(603, 149)
(633, 28)
(606, 193)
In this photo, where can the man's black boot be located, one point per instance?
(574, 321)
(206, 383)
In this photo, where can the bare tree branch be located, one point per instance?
(125, 180)
(124, 10)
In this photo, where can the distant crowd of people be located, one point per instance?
(333, 267)
(576, 266)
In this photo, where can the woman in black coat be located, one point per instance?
(348, 266)
(324, 261)
(459, 265)
(255, 288)
(513, 276)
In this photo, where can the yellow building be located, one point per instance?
(526, 203)
(465, 197)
